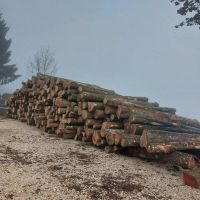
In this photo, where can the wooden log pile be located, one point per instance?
(99, 116)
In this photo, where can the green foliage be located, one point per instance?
(7, 71)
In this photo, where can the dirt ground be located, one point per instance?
(35, 165)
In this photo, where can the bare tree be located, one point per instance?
(43, 62)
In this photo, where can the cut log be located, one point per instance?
(137, 129)
(73, 97)
(92, 106)
(85, 96)
(68, 135)
(71, 91)
(165, 142)
(112, 149)
(111, 133)
(130, 140)
(121, 100)
(71, 121)
(121, 109)
(99, 114)
(84, 105)
(162, 118)
(97, 126)
(91, 122)
(96, 138)
(95, 89)
(110, 110)
(149, 115)
(186, 121)
(87, 115)
(110, 125)
(113, 118)
(142, 120)
(74, 127)
(52, 125)
(185, 160)
(61, 103)
(67, 131)
(61, 111)
(192, 178)
(88, 133)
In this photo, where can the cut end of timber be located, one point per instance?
(105, 100)
(191, 180)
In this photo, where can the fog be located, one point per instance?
(129, 46)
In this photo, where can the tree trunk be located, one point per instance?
(122, 100)
(85, 96)
(96, 138)
(110, 125)
(130, 140)
(110, 110)
(112, 149)
(96, 90)
(184, 160)
(165, 142)
(86, 115)
(92, 106)
(99, 114)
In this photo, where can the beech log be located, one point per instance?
(110, 125)
(96, 138)
(130, 140)
(99, 114)
(165, 142)
(92, 106)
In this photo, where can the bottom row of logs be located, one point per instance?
(127, 144)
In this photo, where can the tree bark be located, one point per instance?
(130, 140)
(86, 115)
(165, 142)
(112, 149)
(122, 100)
(110, 125)
(91, 122)
(96, 90)
(96, 138)
(110, 109)
(85, 96)
(92, 106)
(111, 133)
(99, 114)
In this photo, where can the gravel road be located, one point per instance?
(35, 165)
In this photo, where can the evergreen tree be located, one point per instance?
(7, 71)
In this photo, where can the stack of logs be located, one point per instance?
(99, 116)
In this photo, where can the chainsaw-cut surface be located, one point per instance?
(35, 165)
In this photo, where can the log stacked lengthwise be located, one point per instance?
(99, 116)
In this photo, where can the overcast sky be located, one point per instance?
(130, 46)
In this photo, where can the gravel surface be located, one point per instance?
(35, 165)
